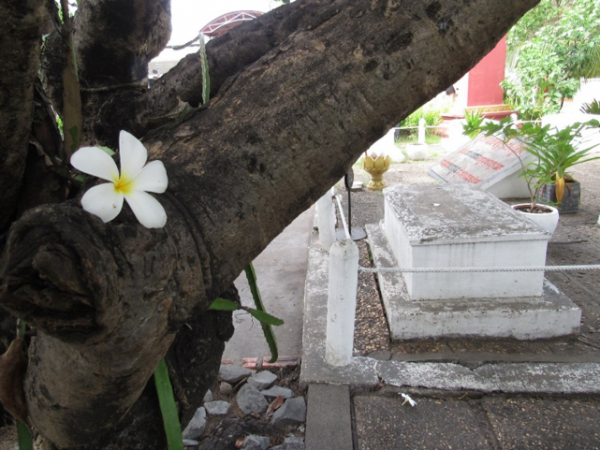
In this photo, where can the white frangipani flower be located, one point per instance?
(131, 185)
(407, 398)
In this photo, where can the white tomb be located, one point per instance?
(456, 225)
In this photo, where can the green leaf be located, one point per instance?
(74, 132)
(168, 408)
(24, 435)
(266, 327)
(107, 150)
(205, 74)
(265, 317)
(221, 304)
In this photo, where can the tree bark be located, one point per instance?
(108, 299)
(19, 52)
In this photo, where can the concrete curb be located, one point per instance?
(564, 378)
(328, 420)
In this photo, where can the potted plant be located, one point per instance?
(557, 153)
(554, 151)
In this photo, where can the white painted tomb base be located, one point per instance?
(458, 226)
(550, 315)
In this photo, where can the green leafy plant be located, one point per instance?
(266, 320)
(550, 48)
(554, 151)
(432, 116)
(474, 120)
(591, 108)
(168, 407)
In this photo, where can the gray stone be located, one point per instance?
(250, 400)
(225, 388)
(196, 426)
(233, 374)
(292, 412)
(217, 408)
(277, 391)
(262, 380)
(188, 443)
(208, 397)
(254, 442)
(293, 443)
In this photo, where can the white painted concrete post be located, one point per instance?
(422, 124)
(341, 302)
(325, 219)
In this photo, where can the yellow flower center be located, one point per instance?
(124, 185)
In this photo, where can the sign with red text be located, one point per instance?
(482, 162)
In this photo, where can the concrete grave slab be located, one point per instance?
(552, 314)
(430, 226)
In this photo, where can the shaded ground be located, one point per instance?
(575, 242)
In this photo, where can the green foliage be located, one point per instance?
(60, 125)
(205, 73)
(551, 47)
(266, 327)
(168, 408)
(474, 121)
(266, 319)
(222, 304)
(432, 116)
(591, 108)
(24, 436)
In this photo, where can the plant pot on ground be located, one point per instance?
(544, 216)
(570, 200)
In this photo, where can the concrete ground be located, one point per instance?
(281, 272)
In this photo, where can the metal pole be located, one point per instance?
(349, 211)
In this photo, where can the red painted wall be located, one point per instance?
(485, 78)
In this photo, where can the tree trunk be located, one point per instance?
(19, 52)
(109, 299)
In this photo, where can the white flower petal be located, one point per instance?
(96, 162)
(152, 178)
(147, 209)
(133, 155)
(103, 201)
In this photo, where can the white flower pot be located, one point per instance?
(547, 221)
(416, 152)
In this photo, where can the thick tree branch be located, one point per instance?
(115, 39)
(274, 139)
(228, 54)
(19, 52)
